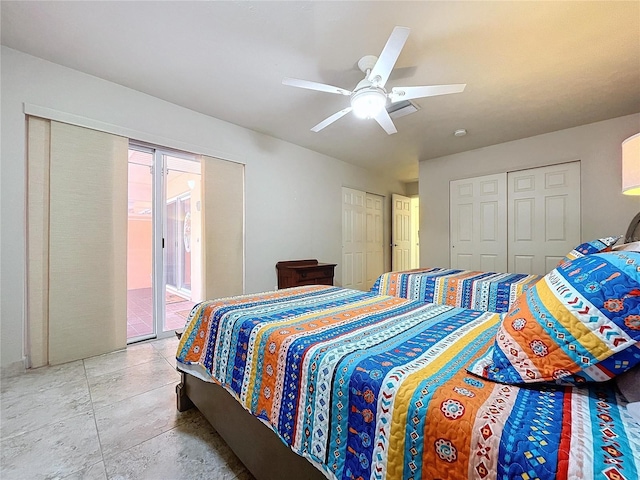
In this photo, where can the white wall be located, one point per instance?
(293, 195)
(605, 211)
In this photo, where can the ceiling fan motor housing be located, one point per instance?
(368, 100)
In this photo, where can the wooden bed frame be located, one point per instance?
(255, 444)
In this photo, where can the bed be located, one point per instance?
(353, 385)
(488, 291)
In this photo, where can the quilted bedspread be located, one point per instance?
(373, 387)
(488, 291)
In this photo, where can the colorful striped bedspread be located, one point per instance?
(375, 387)
(487, 291)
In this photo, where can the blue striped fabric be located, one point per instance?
(486, 291)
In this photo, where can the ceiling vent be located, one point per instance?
(402, 109)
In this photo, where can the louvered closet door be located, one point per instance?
(544, 216)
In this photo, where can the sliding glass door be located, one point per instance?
(178, 247)
(182, 255)
(164, 261)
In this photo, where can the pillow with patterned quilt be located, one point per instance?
(587, 248)
(579, 323)
(633, 246)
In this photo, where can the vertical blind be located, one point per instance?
(77, 234)
(87, 243)
(39, 132)
(223, 227)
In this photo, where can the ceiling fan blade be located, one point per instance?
(322, 87)
(407, 93)
(331, 119)
(389, 56)
(384, 120)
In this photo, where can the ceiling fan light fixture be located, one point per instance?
(368, 102)
(369, 99)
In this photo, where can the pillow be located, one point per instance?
(630, 247)
(587, 248)
(579, 323)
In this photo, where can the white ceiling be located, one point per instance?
(530, 67)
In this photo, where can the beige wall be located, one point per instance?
(292, 195)
(411, 189)
(605, 211)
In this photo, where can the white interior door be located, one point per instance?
(353, 239)
(478, 230)
(544, 216)
(401, 232)
(414, 253)
(374, 240)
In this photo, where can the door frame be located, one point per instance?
(159, 171)
(400, 232)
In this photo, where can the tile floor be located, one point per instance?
(108, 417)
(140, 312)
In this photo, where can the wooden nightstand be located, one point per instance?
(304, 272)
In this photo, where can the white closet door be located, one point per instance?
(478, 228)
(87, 243)
(375, 242)
(353, 239)
(400, 232)
(544, 216)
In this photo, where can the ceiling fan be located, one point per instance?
(369, 98)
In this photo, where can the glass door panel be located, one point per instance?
(140, 322)
(171, 245)
(185, 228)
(182, 256)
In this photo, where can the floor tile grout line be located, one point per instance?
(84, 468)
(155, 352)
(40, 427)
(95, 422)
(143, 442)
(45, 425)
(132, 396)
(93, 409)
